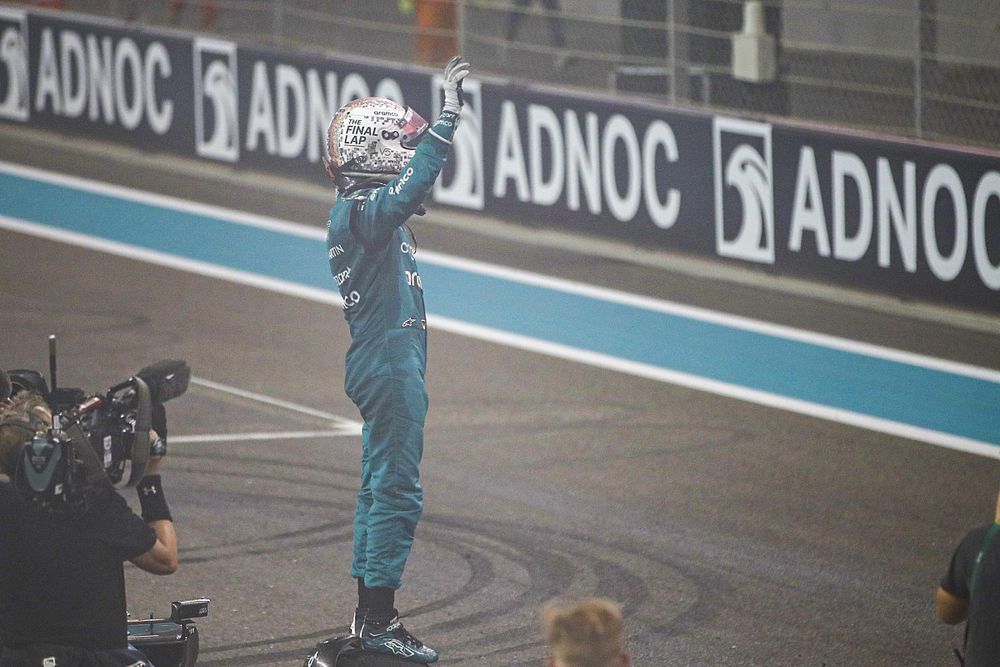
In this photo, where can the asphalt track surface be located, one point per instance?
(734, 534)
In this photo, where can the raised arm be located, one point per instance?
(386, 208)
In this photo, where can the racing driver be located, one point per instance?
(384, 159)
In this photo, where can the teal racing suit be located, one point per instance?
(371, 258)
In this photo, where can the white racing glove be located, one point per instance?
(456, 70)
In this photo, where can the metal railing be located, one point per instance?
(920, 68)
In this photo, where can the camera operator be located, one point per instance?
(62, 582)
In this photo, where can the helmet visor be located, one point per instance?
(412, 130)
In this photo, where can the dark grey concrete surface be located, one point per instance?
(733, 534)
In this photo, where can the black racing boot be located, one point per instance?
(390, 637)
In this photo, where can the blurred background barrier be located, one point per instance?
(859, 209)
(928, 69)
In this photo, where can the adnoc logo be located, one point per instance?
(744, 195)
(216, 119)
(14, 78)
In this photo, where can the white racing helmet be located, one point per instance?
(371, 139)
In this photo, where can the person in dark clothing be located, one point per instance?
(209, 11)
(970, 591)
(62, 582)
(516, 17)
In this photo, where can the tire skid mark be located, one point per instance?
(553, 561)
(311, 531)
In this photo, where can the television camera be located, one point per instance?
(96, 441)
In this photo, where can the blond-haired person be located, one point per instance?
(586, 633)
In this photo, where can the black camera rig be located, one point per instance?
(172, 641)
(97, 440)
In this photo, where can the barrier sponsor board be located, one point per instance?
(912, 220)
(95, 79)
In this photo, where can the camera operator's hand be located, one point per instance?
(158, 419)
(157, 452)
